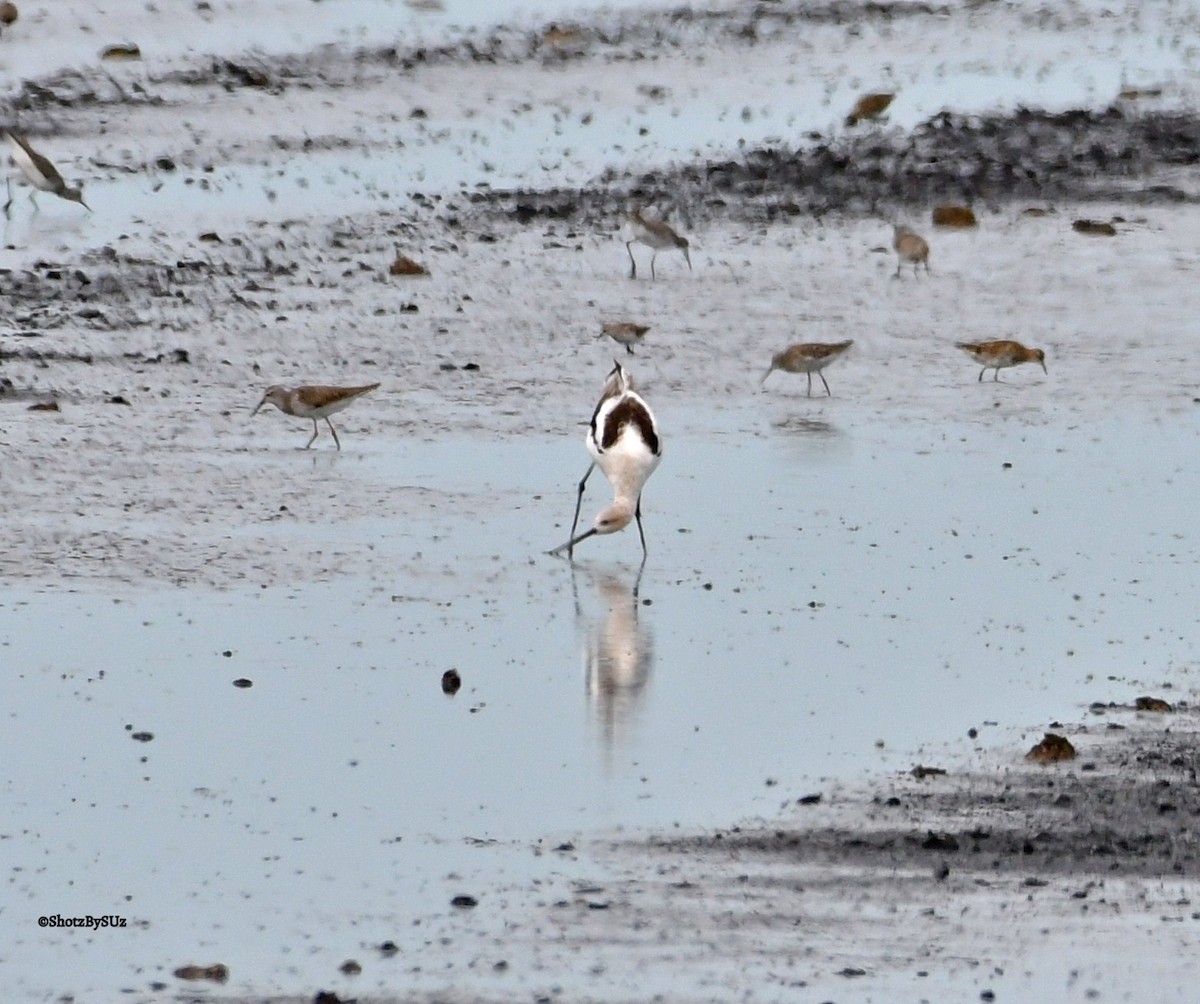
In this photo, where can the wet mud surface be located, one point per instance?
(157, 335)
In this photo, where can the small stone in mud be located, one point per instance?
(808, 799)
(404, 265)
(217, 974)
(165, 164)
(117, 399)
(1152, 704)
(939, 842)
(464, 902)
(1051, 749)
(451, 682)
(243, 683)
(328, 997)
(350, 968)
(954, 216)
(920, 771)
(851, 971)
(44, 406)
(142, 737)
(211, 237)
(388, 948)
(1097, 228)
(121, 51)
(8, 13)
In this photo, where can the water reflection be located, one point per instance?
(618, 649)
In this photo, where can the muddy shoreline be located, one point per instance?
(155, 324)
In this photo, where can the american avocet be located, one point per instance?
(624, 333)
(623, 439)
(1001, 354)
(869, 106)
(807, 357)
(910, 247)
(40, 173)
(313, 402)
(655, 235)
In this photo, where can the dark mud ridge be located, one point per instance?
(1077, 156)
(1128, 806)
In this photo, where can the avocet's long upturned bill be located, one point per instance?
(623, 440)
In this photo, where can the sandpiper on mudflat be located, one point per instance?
(313, 402)
(624, 333)
(40, 173)
(655, 235)
(911, 247)
(1001, 354)
(810, 358)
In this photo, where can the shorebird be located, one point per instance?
(40, 173)
(654, 234)
(1001, 354)
(623, 440)
(911, 247)
(808, 357)
(624, 332)
(313, 402)
(869, 106)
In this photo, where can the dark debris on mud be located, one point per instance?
(1081, 156)
(1128, 807)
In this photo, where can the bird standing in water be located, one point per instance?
(624, 441)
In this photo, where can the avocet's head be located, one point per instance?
(682, 244)
(275, 395)
(618, 381)
(611, 520)
(1040, 356)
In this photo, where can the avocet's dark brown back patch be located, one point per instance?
(629, 412)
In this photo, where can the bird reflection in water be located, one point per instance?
(618, 652)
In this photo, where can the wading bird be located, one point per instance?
(624, 442)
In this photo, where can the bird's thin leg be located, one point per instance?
(828, 392)
(637, 584)
(653, 255)
(629, 349)
(632, 260)
(897, 275)
(8, 189)
(334, 431)
(981, 372)
(638, 513)
(996, 377)
(578, 503)
(314, 435)
(809, 383)
(32, 193)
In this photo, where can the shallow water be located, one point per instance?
(823, 596)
